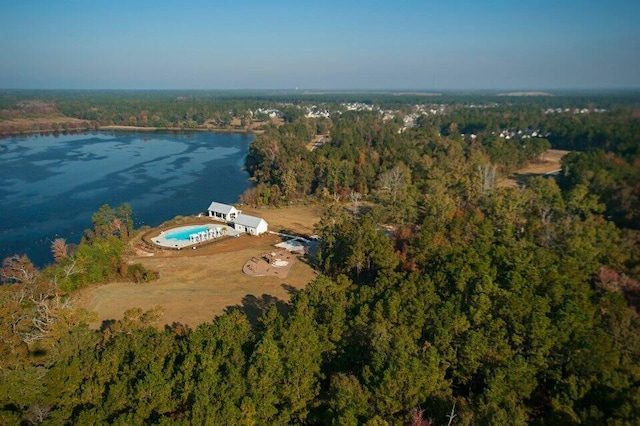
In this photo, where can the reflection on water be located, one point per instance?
(51, 185)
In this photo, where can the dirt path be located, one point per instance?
(197, 285)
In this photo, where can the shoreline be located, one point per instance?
(174, 129)
(133, 129)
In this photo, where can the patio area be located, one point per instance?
(276, 264)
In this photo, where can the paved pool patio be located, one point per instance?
(162, 240)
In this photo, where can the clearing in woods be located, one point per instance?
(195, 286)
(550, 162)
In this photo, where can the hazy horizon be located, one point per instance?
(327, 91)
(330, 46)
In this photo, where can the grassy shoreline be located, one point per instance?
(118, 128)
(133, 129)
(175, 129)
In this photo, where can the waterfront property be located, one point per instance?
(236, 219)
(223, 212)
(250, 224)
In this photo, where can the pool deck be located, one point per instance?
(162, 241)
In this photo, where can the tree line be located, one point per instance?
(519, 308)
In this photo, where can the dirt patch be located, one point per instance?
(317, 142)
(550, 161)
(197, 285)
(275, 264)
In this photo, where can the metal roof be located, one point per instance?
(221, 208)
(250, 221)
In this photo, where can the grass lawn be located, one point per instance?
(197, 285)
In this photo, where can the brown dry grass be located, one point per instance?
(42, 120)
(296, 219)
(197, 285)
(551, 161)
(132, 128)
(19, 125)
(16, 126)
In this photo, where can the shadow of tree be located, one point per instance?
(106, 324)
(291, 290)
(178, 329)
(523, 178)
(253, 307)
(292, 233)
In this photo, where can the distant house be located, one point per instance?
(250, 224)
(223, 212)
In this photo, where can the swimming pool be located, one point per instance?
(182, 234)
(192, 235)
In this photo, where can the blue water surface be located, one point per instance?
(51, 185)
(183, 235)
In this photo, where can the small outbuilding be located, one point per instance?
(250, 224)
(223, 212)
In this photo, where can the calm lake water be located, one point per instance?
(51, 185)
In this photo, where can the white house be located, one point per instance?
(223, 212)
(250, 224)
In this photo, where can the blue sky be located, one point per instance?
(417, 45)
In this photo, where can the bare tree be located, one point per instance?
(452, 415)
(393, 182)
(72, 268)
(487, 176)
(417, 418)
(355, 199)
(18, 269)
(59, 249)
(44, 307)
(38, 413)
(37, 301)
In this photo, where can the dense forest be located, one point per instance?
(443, 298)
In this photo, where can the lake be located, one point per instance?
(51, 185)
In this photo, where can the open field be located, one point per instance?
(41, 124)
(298, 219)
(197, 285)
(42, 120)
(551, 161)
(27, 125)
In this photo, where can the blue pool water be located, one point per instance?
(183, 234)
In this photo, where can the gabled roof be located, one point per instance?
(250, 221)
(221, 208)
